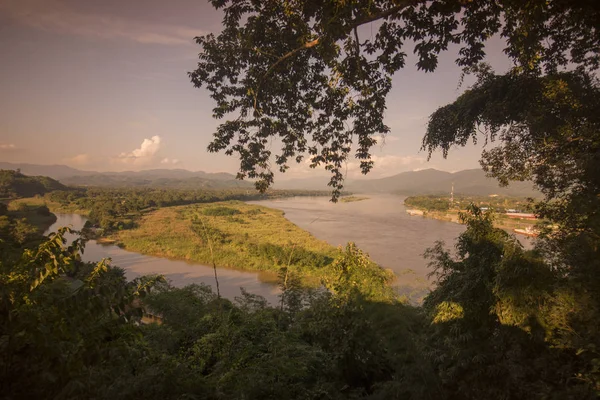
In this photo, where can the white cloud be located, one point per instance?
(7, 146)
(145, 154)
(55, 16)
(172, 161)
(79, 159)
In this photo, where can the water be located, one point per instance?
(380, 226)
(179, 273)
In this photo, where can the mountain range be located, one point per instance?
(428, 181)
(167, 178)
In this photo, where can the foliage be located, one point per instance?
(60, 317)
(495, 320)
(14, 184)
(307, 73)
(429, 203)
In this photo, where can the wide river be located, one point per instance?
(380, 226)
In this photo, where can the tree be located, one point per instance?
(494, 317)
(302, 73)
(62, 319)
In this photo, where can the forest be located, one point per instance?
(501, 322)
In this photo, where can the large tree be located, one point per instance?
(299, 71)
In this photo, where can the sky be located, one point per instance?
(103, 85)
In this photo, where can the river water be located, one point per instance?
(179, 273)
(379, 225)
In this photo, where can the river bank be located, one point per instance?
(501, 221)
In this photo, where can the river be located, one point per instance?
(379, 225)
(179, 273)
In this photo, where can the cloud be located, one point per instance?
(79, 159)
(172, 161)
(55, 16)
(145, 154)
(7, 146)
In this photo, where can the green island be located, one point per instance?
(241, 235)
(443, 209)
(352, 199)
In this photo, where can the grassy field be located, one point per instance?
(242, 236)
(53, 206)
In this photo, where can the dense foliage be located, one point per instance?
(315, 74)
(501, 323)
(495, 327)
(14, 184)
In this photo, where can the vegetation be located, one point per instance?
(253, 66)
(501, 323)
(351, 199)
(13, 185)
(443, 203)
(114, 209)
(493, 314)
(440, 207)
(231, 234)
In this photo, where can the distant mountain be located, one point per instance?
(432, 181)
(168, 178)
(14, 184)
(52, 171)
(149, 180)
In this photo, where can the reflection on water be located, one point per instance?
(179, 273)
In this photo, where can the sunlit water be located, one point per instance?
(380, 226)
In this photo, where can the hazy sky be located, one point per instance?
(102, 85)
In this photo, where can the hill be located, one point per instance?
(210, 181)
(14, 184)
(431, 181)
(165, 178)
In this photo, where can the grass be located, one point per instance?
(54, 207)
(243, 236)
(351, 199)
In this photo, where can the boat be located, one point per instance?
(529, 231)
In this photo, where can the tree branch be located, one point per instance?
(365, 20)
